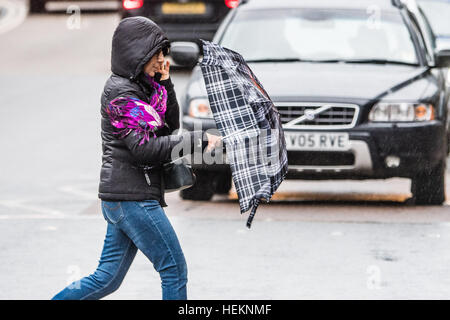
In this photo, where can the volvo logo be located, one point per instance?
(310, 114)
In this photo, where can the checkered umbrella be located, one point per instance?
(249, 124)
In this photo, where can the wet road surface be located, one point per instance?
(314, 240)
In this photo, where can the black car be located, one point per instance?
(359, 86)
(183, 20)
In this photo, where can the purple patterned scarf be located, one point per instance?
(127, 113)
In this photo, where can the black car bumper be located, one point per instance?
(419, 146)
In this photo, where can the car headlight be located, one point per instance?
(199, 108)
(397, 112)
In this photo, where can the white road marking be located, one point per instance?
(38, 209)
(49, 228)
(83, 5)
(79, 193)
(15, 14)
(48, 217)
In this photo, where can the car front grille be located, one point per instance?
(318, 115)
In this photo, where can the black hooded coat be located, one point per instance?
(122, 176)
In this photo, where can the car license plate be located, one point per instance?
(183, 8)
(326, 141)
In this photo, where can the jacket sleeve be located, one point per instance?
(162, 148)
(173, 109)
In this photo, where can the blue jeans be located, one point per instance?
(134, 225)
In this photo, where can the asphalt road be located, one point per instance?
(315, 240)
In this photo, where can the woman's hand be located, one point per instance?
(157, 64)
(164, 70)
(213, 141)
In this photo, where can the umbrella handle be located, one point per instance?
(252, 213)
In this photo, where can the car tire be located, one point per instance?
(202, 190)
(428, 188)
(37, 6)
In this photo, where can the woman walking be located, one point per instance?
(139, 114)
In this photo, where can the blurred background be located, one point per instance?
(356, 221)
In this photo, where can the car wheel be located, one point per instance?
(428, 188)
(202, 190)
(37, 6)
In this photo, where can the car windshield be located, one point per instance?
(320, 34)
(438, 13)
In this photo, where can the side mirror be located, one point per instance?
(443, 58)
(185, 53)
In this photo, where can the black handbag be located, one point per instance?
(178, 175)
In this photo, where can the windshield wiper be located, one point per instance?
(369, 61)
(273, 60)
